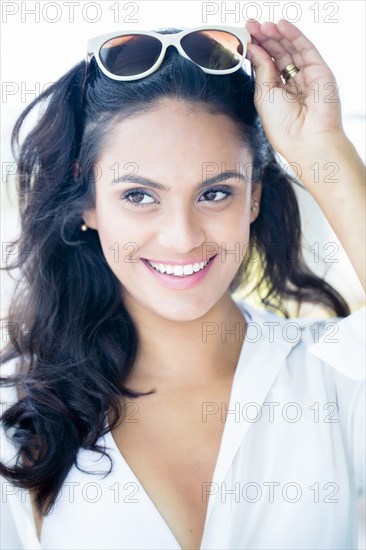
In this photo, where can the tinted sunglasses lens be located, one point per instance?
(213, 49)
(130, 55)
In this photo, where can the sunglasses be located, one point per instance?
(132, 55)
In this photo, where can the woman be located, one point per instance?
(130, 340)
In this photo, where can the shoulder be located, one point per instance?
(324, 355)
(324, 371)
(337, 341)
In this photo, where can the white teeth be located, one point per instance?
(188, 269)
(178, 270)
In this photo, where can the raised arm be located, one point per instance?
(305, 127)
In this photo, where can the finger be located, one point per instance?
(307, 58)
(254, 28)
(280, 55)
(290, 37)
(265, 69)
(269, 38)
(297, 43)
(303, 54)
(281, 49)
(278, 46)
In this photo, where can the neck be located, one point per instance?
(186, 353)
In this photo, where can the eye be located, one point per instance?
(135, 197)
(215, 191)
(130, 197)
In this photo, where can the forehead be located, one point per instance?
(175, 135)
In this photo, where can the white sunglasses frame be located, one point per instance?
(172, 39)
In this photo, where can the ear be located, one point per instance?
(90, 218)
(255, 200)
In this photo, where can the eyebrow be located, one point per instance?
(156, 185)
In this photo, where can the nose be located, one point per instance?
(181, 231)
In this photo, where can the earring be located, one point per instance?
(84, 227)
(254, 208)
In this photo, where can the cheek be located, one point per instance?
(121, 235)
(228, 237)
(235, 225)
(235, 236)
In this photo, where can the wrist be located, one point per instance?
(324, 159)
(321, 144)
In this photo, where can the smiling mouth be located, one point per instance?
(179, 271)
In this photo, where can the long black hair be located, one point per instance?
(72, 336)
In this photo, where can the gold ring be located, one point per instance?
(289, 71)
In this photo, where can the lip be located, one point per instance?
(179, 262)
(181, 283)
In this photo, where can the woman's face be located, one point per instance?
(180, 148)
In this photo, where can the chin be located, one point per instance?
(181, 309)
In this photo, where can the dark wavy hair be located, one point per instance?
(71, 333)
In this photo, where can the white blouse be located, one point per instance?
(290, 469)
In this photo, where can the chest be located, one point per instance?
(171, 445)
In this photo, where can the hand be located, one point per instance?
(307, 109)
